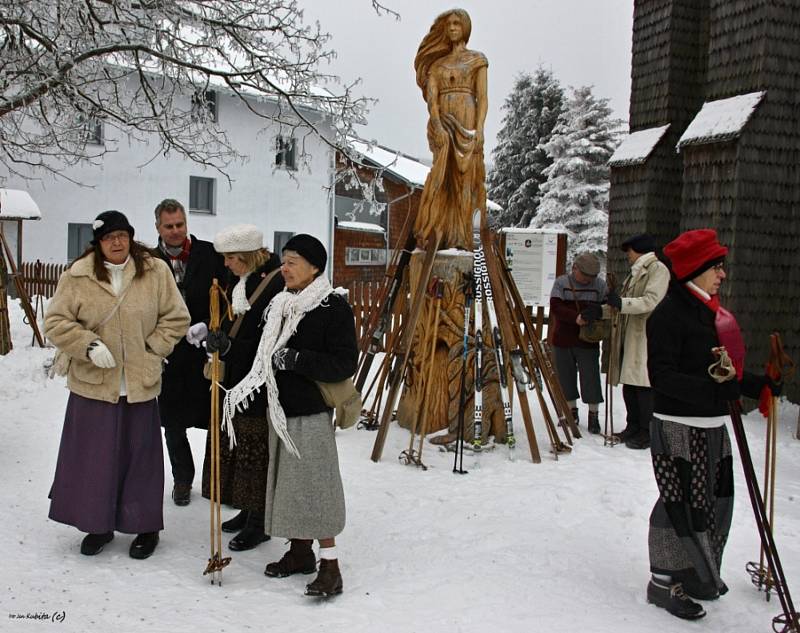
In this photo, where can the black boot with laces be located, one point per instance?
(672, 598)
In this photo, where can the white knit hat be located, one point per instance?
(239, 238)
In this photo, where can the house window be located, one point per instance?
(201, 194)
(204, 105)
(353, 208)
(285, 152)
(92, 129)
(78, 238)
(364, 256)
(280, 239)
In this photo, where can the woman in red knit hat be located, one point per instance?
(690, 446)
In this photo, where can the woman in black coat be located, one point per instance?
(243, 470)
(308, 338)
(690, 446)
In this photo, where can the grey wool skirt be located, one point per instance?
(305, 498)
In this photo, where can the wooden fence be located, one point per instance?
(41, 279)
(364, 297)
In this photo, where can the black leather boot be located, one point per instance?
(93, 543)
(236, 523)
(252, 535)
(593, 422)
(144, 545)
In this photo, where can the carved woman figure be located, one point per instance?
(453, 83)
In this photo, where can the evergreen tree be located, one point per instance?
(531, 112)
(575, 196)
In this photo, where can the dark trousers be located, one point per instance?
(180, 455)
(574, 363)
(639, 405)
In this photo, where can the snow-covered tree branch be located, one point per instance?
(152, 69)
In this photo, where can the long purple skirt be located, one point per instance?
(110, 469)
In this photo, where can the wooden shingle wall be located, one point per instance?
(748, 188)
(685, 54)
(667, 75)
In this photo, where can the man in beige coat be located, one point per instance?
(642, 291)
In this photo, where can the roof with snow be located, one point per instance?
(361, 226)
(407, 168)
(16, 204)
(410, 170)
(637, 146)
(721, 120)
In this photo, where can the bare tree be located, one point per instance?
(150, 68)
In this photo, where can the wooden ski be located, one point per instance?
(401, 358)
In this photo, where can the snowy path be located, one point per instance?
(511, 547)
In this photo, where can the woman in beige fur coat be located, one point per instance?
(116, 315)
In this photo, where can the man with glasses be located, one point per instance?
(185, 395)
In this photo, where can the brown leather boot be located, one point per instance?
(299, 559)
(328, 581)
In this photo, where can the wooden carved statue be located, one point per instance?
(453, 83)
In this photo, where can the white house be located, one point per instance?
(279, 198)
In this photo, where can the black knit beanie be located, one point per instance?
(108, 222)
(309, 248)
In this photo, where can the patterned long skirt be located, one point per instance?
(243, 470)
(690, 522)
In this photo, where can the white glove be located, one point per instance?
(100, 356)
(197, 334)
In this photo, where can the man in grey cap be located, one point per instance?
(574, 300)
(641, 292)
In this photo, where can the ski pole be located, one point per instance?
(458, 457)
(722, 370)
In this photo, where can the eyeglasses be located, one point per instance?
(718, 268)
(116, 236)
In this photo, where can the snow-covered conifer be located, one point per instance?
(531, 111)
(575, 195)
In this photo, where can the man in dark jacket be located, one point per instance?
(185, 394)
(572, 299)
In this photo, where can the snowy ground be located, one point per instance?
(510, 547)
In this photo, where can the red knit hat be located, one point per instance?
(694, 252)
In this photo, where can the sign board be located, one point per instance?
(536, 257)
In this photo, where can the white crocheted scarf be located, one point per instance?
(282, 316)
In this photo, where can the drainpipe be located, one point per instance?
(332, 214)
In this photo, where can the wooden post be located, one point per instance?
(5, 329)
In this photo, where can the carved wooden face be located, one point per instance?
(454, 28)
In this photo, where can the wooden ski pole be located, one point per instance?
(722, 370)
(216, 563)
(608, 432)
(458, 454)
(779, 368)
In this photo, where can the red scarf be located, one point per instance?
(183, 256)
(728, 332)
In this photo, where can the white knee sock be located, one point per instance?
(328, 553)
(662, 579)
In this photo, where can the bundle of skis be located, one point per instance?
(521, 357)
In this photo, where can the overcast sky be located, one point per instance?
(584, 42)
